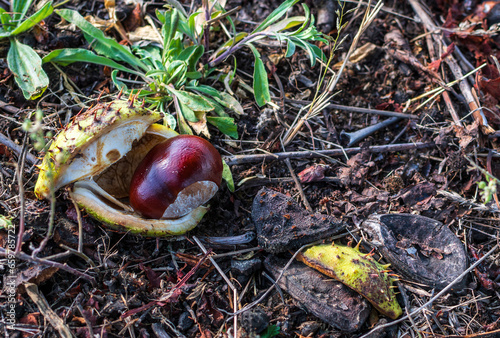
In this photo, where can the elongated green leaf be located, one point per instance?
(195, 102)
(20, 8)
(169, 28)
(225, 124)
(260, 83)
(26, 66)
(228, 44)
(205, 89)
(286, 24)
(227, 176)
(4, 20)
(67, 56)
(100, 43)
(192, 55)
(276, 15)
(183, 125)
(41, 14)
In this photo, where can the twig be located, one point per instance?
(25, 257)
(242, 159)
(276, 180)
(455, 68)
(439, 294)
(361, 110)
(221, 16)
(446, 96)
(235, 291)
(298, 185)
(17, 149)
(20, 234)
(47, 312)
(8, 108)
(457, 198)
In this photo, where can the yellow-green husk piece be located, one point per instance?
(358, 271)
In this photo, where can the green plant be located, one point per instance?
(278, 30)
(22, 60)
(270, 331)
(168, 72)
(488, 188)
(171, 72)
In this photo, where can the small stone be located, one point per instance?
(185, 321)
(246, 267)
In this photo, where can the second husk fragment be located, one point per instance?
(359, 271)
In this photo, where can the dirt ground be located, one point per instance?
(428, 161)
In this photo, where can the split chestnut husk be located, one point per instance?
(98, 153)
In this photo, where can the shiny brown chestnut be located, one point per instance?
(175, 177)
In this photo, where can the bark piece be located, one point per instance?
(422, 249)
(327, 299)
(283, 225)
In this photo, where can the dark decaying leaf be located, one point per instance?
(422, 249)
(329, 300)
(283, 225)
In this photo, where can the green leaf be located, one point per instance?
(183, 126)
(275, 15)
(119, 84)
(290, 48)
(231, 103)
(67, 56)
(270, 331)
(192, 55)
(169, 28)
(100, 43)
(6, 223)
(26, 66)
(286, 24)
(238, 37)
(170, 120)
(194, 75)
(41, 14)
(19, 9)
(188, 113)
(5, 19)
(225, 124)
(195, 102)
(260, 83)
(227, 176)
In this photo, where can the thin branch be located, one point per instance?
(242, 159)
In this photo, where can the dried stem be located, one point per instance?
(42, 261)
(242, 159)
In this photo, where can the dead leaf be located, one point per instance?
(314, 173)
(200, 127)
(359, 54)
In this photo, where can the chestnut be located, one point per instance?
(175, 177)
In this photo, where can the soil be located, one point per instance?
(125, 285)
